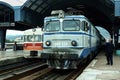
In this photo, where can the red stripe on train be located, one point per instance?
(33, 46)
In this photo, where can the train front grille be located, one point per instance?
(61, 43)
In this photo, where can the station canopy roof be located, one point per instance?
(6, 12)
(32, 12)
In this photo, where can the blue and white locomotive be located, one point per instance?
(67, 40)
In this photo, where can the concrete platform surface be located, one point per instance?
(10, 56)
(10, 53)
(98, 70)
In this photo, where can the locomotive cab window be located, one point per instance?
(71, 25)
(31, 38)
(37, 38)
(52, 26)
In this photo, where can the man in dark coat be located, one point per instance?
(109, 49)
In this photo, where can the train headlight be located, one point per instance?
(48, 43)
(74, 43)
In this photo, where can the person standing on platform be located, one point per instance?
(109, 49)
(15, 46)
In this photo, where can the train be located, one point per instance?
(33, 43)
(68, 40)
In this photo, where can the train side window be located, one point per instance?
(89, 27)
(36, 38)
(25, 38)
(85, 26)
(39, 37)
(94, 31)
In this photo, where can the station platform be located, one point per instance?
(9, 56)
(98, 70)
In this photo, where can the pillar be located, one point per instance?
(2, 38)
(116, 32)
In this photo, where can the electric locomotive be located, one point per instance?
(68, 39)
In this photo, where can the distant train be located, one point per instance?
(33, 42)
(68, 40)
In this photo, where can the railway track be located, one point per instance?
(35, 70)
(38, 75)
(74, 74)
(53, 74)
(64, 74)
(18, 70)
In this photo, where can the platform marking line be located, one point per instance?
(92, 64)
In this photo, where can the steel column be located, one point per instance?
(2, 38)
(116, 32)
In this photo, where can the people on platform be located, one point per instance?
(15, 46)
(109, 49)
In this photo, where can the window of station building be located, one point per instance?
(85, 26)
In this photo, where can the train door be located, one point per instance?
(88, 26)
(86, 36)
(90, 39)
(83, 36)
